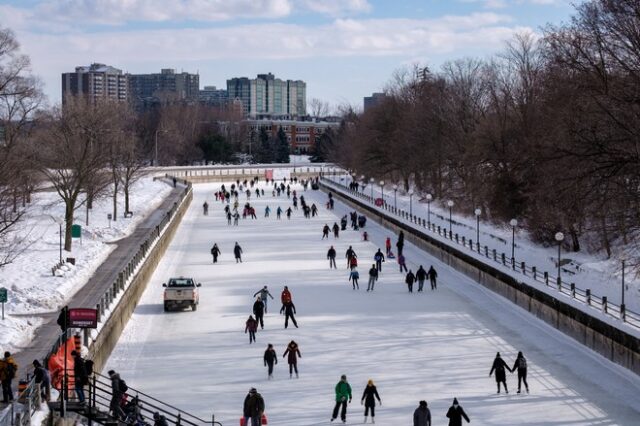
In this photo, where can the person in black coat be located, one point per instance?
(421, 276)
(422, 415)
(410, 279)
(325, 231)
(215, 252)
(499, 366)
(336, 230)
(237, 251)
(289, 310)
(521, 366)
(270, 358)
(79, 375)
(331, 255)
(433, 275)
(369, 397)
(456, 414)
(258, 311)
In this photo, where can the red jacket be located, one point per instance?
(285, 297)
(252, 325)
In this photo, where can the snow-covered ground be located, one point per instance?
(433, 345)
(32, 289)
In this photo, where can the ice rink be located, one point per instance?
(434, 345)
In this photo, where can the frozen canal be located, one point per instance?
(432, 345)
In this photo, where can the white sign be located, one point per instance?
(280, 174)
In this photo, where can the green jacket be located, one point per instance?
(343, 391)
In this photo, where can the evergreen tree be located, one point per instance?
(282, 147)
(215, 148)
(265, 152)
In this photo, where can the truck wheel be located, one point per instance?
(166, 307)
(194, 307)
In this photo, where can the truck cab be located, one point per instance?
(181, 293)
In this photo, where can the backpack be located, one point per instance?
(88, 367)
(11, 370)
(523, 363)
(122, 386)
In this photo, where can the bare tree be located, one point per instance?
(318, 108)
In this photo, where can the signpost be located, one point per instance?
(83, 318)
(109, 217)
(3, 299)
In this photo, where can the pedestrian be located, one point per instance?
(80, 378)
(253, 408)
(402, 263)
(63, 318)
(270, 358)
(237, 251)
(251, 326)
(285, 296)
(331, 255)
(400, 245)
(499, 366)
(354, 276)
(422, 415)
(350, 254)
(387, 245)
(409, 280)
(175, 181)
(8, 372)
(289, 310)
(433, 275)
(373, 277)
(343, 394)
(325, 231)
(228, 217)
(379, 258)
(278, 213)
(369, 397)
(336, 230)
(421, 276)
(456, 414)
(267, 210)
(42, 380)
(289, 211)
(264, 293)
(117, 394)
(293, 352)
(159, 420)
(521, 366)
(258, 311)
(215, 252)
(314, 210)
(205, 208)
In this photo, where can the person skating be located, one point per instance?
(314, 210)
(237, 252)
(387, 245)
(373, 277)
(343, 223)
(258, 311)
(331, 255)
(278, 213)
(421, 276)
(253, 408)
(270, 358)
(289, 310)
(80, 378)
(369, 397)
(400, 243)
(343, 394)
(402, 263)
(433, 275)
(267, 210)
(285, 296)
(229, 218)
(293, 353)
(354, 276)
(500, 367)
(422, 415)
(350, 254)
(215, 252)
(456, 414)
(336, 230)
(325, 231)
(521, 366)
(289, 211)
(205, 208)
(264, 293)
(251, 326)
(379, 258)
(409, 280)
(8, 372)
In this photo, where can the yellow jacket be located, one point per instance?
(4, 368)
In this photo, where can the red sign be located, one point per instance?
(268, 174)
(379, 202)
(83, 318)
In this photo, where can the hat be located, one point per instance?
(498, 354)
(423, 403)
(253, 390)
(343, 377)
(455, 400)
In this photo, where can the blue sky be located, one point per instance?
(343, 49)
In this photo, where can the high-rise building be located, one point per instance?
(267, 96)
(166, 86)
(212, 96)
(96, 81)
(373, 100)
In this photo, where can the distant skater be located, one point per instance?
(456, 414)
(270, 359)
(354, 276)
(433, 275)
(373, 277)
(293, 353)
(521, 366)
(409, 280)
(421, 276)
(258, 311)
(264, 294)
(499, 366)
(343, 394)
(251, 326)
(289, 310)
(331, 255)
(215, 252)
(402, 263)
(237, 251)
(369, 397)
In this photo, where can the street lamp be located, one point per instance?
(478, 212)
(382, 191)
(411, 192)
(429, 198)
(371, 180)
(395, 190)
(513, 223)
(559, 238)
(450, 205)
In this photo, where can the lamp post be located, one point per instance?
(450, 205)
(411, 192)
(429, 198)
(513, 223)
(382, 191)
(622, 282)
(478, 212)
(371, 183)
(559, 238)
(395, 190)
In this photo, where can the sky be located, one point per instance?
(343, 49)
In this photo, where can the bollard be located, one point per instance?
(524, 268)
(589, 297)
(623, 312)
(533, 270)
(504, 259)
(99, 309)
(573, 290)
(495, 255)
(464, 241)
(605, 308)
(559, 282)
(486, 251)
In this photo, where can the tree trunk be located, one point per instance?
(605, 236)
(86, 219)
(126, 197)
(575, 242)
(68, 223)
(115, 201)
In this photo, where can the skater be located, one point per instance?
(285, 296)
(421, 275)
(237, 251)
(422, 415)
(500, 366)
(80, 378)
(253, 408)
(278, 213)
(400, 243)
(369, 397)
(236, 217)
(215, 252)
(314, 210)
(293, 351)
(325, 231)
(258, 311)
(456, 414)
(175, 181)
(343, 223)
(229, 218)
(336, 230)
(401, 263)
(521, 366)
(289, 211)
(365, 236)
(205, 208)
(289, 310)
(267, 210)
(270, 358)
(264, 293)
(8, 372)
(432, 277)
(350, 254)
(387, 245)
(379, 258)
(331, 255)
(373, 277)
(343, 393)
(354, 276)
(410, 279)
(251, 326)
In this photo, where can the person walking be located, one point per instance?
(8, 372)
(402, 263)
(421, 276)
(42, 379)
(369, 397)
(80, 378)
(331, 255)
(258, 311)
(354, 276)
(293, 353)
(237, 252)
(343, 394)
(215, 252)
(251, 326)
(117, 392)
(289, 310)
(253, 408)
(325, 231)
(433, 275)
(456, 414)
(264, 294)
(521, 366)
(409, 280)
(270, 359)
(379, 258)
(422, 415)
(500, 367)
(373, 277)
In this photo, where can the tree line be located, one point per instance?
(546, 132)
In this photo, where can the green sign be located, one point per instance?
(3, 295)
(76, 231)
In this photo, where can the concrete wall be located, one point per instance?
(610, 342)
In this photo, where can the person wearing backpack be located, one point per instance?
(521, 365)
(79, 376)
(118, 389)
(8, 370)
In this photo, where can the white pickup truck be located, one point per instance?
(181, 293)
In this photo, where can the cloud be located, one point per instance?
(337, 7)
